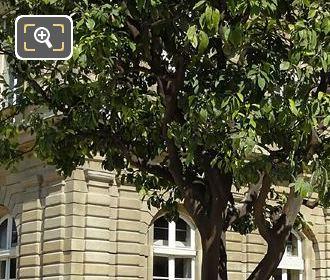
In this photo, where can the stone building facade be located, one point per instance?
(88, 226)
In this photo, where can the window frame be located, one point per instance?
(10, 252)
(292, 262)
(12, 83)
(175, 249)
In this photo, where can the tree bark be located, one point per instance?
(269, 263)
(214, 261)
(277, 238)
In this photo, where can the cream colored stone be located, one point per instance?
(31, 260)
(97, 211)
(29, 272)
(33, 237)
(97, 245)
(96, 269)
(30, 249)
(54, 211)
(97, 234)
(96, 222)
(32, 215)
(128, 214)
(98, 199)
(53, 246)
(96, 257)
(74, 245)
(55, 222)
(88, 228)
(53, 270)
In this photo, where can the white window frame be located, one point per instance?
(175, 249)
(10, 252)
(290, 262)
(12, 82)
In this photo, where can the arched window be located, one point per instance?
(8, 241)
(291, 266)
(174, 250)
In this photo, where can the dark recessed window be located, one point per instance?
(182, 268)
(2, 269)
(12, 268)
(14, 235)
(160, 267)
(8, 241)
(181, 230)
(161, 229)
(3, 234)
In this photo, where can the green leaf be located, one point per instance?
(216, 19)
(208, 17)
(303, 187)
(199, 4)
(203, 115)
(192, 35)
(141, 4)
(132, 45)
(253, 123)
(235, 35)
(76, 52)
(293, 107)
(90, 24)
(240, 96)
(312, 13)
(285, 65)
(79, 23)
(326, 121)
(320, 95)
(203, 42)
(261, 82)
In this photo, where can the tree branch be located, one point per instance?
(246, 203)
(259, 208)
(292, 207)
(171, 114)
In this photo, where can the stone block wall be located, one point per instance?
(88, 226)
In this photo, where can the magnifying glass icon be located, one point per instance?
(41, 35)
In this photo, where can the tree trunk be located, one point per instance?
(214, 262)
(271, 260)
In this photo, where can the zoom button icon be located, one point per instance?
(43, 37)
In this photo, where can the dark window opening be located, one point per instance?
(161, 229)
(160, 267)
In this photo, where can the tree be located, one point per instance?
(190, 98)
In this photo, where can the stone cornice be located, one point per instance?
(100, 176)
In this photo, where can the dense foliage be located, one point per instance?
(171, 91)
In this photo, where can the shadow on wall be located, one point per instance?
(3, 211)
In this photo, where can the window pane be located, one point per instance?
(181, 230)
(3, 235)
(292, 245)
(14, 235)
(13, 268)
(182, 268)
(160, 267)
(293, 274)
(2, 269)
(161, 229)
